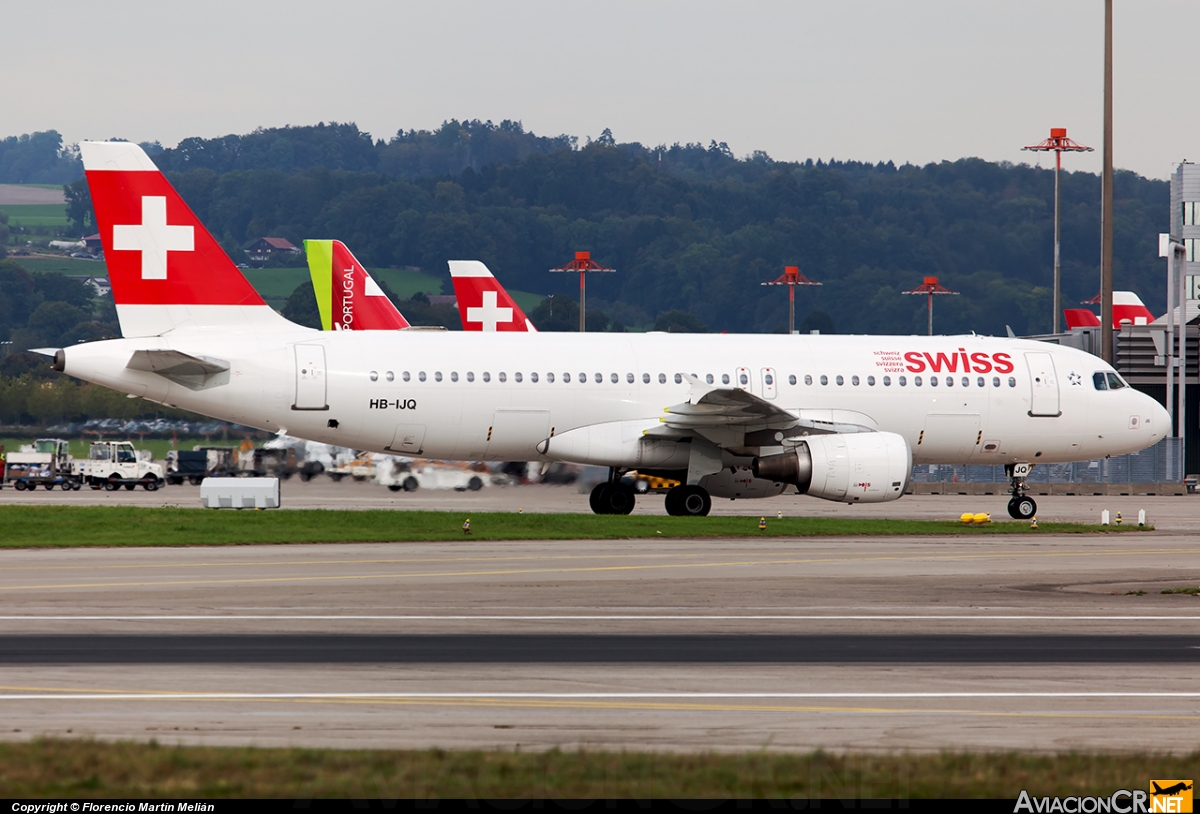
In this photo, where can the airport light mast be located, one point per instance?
(1058, 143)
(583, 263)
(791, 277)
(930, 287)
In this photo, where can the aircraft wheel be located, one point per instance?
(596, 498)
(1022, 508)
(688, 501)
(614, 498)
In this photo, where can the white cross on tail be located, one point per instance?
(154, 238)
(488, 315)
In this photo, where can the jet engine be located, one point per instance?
(868, 467)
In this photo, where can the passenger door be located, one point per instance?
(310, 378)
(1043, 385)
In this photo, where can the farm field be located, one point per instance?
(35, 215)
(63, 265)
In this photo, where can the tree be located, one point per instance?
(79, 207)
(679, 322)
(817, 321)
(301, 306)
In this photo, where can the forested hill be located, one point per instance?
(687, 227)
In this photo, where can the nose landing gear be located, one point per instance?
(1021, 507)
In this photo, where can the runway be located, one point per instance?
(844, 644)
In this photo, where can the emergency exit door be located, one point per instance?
(310, 378)
(1043, 385)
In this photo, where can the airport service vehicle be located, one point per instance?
(47, 463)
(277, 462)
(349, 299)
(113, 464)
(397, 474)
(186, 464)
(840, 418)
(360, 469)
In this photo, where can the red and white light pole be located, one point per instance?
(583, 263)
(791, 277)
(930, 287)
(1058, 143)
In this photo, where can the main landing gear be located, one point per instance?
(1021, 507)
(688, 501)
(612, 496)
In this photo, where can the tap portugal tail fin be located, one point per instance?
(347, 296)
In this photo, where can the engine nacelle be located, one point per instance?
(739, 482)
(868, 467)
(617, 443)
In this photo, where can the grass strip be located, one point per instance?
(73, 526)
(84, 768)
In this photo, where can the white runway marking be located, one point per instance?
(601, 618)
(268, 696)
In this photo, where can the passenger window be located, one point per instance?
(567, 378)
(792, 379)
(470, 376)
(725, 378)
(807, 379)
(614, 378)
(390, 376)
(501, 377)
(916, 381)
(995, 381)
(405, 376)
(421, 375)
(1115, 382)
(743, 379)
(629, 378)
(437, 377)
(374, 376)
(770, 380)
(645, 378)
(678, 378)
(824, 379)
(980, 382)
(487, 377)
(949, 381)
(966, 382)
(453, 376)
(840, 381)
(887, 381)
(932, 381)
(902, 381)
(517, 377)
(662, 378)
(1099, 381)
(550, 378)
(533, 378)
(870, 381)
(583, 378)
(854, 381)
(1012, 382)
(708, 378)
(599, 378)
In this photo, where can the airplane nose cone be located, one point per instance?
(1156, 420)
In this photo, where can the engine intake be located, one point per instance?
(869, 467)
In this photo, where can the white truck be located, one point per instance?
(411, 475)
(113, 464)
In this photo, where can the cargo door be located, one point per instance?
(768, 383)
(947, 438)
(1043, 385)
(408, 440)
(514, 434)
(310, 378)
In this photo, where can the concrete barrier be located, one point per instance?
(239, 493)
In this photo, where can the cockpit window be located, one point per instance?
(1115, 382)
(1099, 381)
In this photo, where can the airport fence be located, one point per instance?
(1161, 463)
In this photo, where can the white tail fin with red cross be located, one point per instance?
(483, 303)
(167, 271)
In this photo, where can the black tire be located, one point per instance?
(306, 476)
(410, 484)
(194, 480)
(598, 499)
(335, 476)
(129, 487)
(475, 483)
(394, 487)
(20, 486)
(688, 501)
(1022, 508)
(150, 483)
(620, 499)
(49, 487)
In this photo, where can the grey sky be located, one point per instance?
(908, 81)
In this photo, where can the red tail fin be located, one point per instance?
(347, 297)
(483, 303)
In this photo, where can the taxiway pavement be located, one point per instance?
(1006, 642)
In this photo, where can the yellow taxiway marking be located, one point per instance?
(597, 569)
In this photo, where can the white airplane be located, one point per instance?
(836, 417)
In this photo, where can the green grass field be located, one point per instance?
(63, 265)
(63, 525)
(81, 768)
(33, 215)
(278, 284)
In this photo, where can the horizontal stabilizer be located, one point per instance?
(175, 365)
